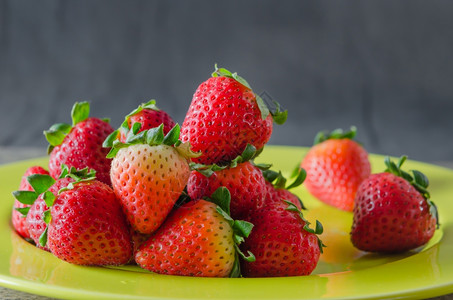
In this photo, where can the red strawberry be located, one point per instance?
(197, 239)
(243, 179)
(282, 242)
(88, 227)
(225, 115)
(146, 116)
(148, 176)
(277, 189)
(335, 166)
(18, 219)
(45, 187)
(392, 212)
(80, 145)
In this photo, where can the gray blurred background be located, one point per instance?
(384, 66)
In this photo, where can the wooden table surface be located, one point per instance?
(8, 155)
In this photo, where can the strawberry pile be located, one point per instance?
(190, 200)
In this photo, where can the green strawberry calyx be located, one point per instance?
(280, 182)
(335, 135)
(153, 137)
(241, 229)
(248, 154)
(151, 104)
(278, 116)
(418, 180)
(57, 132)
(318, 229)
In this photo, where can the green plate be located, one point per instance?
(342, 273)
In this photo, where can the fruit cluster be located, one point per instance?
(190, 200)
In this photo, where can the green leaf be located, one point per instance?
(221, 72)
(279, 116)
(54, 138)
(401, 161)
(136, 127)
(151, 104)
(248, 153)
(47, 217)
(80, 112)
(300, 178)
(263, 107)
(108, 142)
(320, 137)
(222, 198)
(155, 136)
(23, 210)
(172, 136)
(243, 228)
(236, 271)
(43, 238)
(40, 182)
(132, 138)
(271, 175)
(240, 80)
(25, 197)
(249, 258)
(433, 211)
(420, 178)
(335, 134)
(318, 229)
(49, 198)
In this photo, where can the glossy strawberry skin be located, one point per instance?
(335, 168)
(82, 148)
(276, 195)
(280, 244)
(18, 220)
(195, 240)
(148, 180)
(34, 217)
(390, 215)
(88, 226)
(222, 119)
(245, 183)
(148, 118)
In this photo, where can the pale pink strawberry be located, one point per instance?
(148, 176)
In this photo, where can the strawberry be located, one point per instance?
(393, 212)
(147, 116)
(335, 167)
(243, 179)
(87, 225)
(277, 189)
(80, 145)
(148, 175)
(20, 209)
(282, 242)
(198, 239)
(225, 115)
(44, 187)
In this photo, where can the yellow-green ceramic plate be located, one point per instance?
(342, 272)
